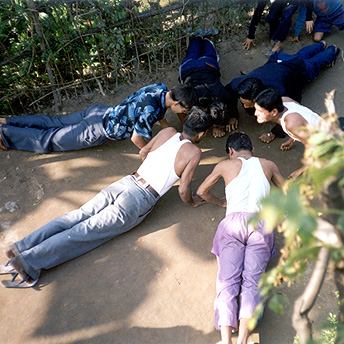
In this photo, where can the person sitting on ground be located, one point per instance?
(169, 156)
(292, 116)
(133, 117)
(280, 16)
(287, 73)
(242, 251)
(200, 69)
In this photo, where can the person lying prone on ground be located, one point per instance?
(169, 156)
(134, 117)
(200, 69)
(287, 73)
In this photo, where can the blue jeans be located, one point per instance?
(280, 17)
(200, 53)
(314, 56)
(44, 134)
(115, 210)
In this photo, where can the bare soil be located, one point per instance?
(155, 284)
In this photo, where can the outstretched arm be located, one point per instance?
(139, 141)
(276, 178)
(184, 189)
(204, 189)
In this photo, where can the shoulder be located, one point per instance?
(189, 152)
(267, 164)
(288, 100)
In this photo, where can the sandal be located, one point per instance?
(27, 282)
(7, 269)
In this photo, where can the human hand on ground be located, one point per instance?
(267, 137)
(309, 26)
(296, 174)
(232, 124)
(293, 39)
(197, 201)
(287, 145)
(219, 132)
(247, 43)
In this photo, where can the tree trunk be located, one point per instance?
(39, 31)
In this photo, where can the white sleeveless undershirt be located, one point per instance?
(245, 191)
(310, 116)
(158, 167)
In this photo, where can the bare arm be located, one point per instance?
(147, 148)
(160, 138)
(164, 124)
(139, 141)
(184, 189)
(204, 189)
(276, 177)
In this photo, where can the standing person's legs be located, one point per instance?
(88, 132)
(282, 30)
(274, 16)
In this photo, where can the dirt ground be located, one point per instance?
(155, 284)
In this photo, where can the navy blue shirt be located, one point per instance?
(288, 76)
(137, 113)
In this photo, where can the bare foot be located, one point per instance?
(287, 145)
(267, 137)
(276, 48)
(219, 132)
(9, 252)
(232, 124)
(2, 120)
(293, 39)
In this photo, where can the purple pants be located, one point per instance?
(242, 254)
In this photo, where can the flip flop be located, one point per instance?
(7, 269)
(27, 282)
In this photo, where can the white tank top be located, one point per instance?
(310, 116)
(245, 191)
(158, 167)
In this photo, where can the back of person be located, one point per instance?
(286, 76)
(158, 167)
(245, 191)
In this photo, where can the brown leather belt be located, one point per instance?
(148, 186)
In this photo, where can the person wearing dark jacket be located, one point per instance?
(286, 73)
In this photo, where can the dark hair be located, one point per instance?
(270, 99)
(220, 113)
(250, 88)
(197, 121)
(185, 95)
(239, 141)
